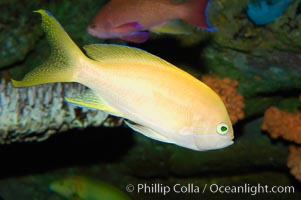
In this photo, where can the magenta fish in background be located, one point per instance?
(131, 20)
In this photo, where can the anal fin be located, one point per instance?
(128, 27)
(92, 101)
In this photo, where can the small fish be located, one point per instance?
(154, 97)
(264, 12)
(130, 20)
(84, 188)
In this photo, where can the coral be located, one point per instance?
(283, 124)
(263, 12)
(294, 161)
(227, 89)
(35, 113)
(279, 123)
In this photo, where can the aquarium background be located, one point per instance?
(256, 69)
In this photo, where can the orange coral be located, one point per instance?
(294, 161)
(227, 90)
(287, 125)
(283, 124)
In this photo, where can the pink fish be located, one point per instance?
(131, 20)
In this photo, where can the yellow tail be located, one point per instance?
(64, 61)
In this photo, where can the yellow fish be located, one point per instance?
(84, 188)
(156, 98)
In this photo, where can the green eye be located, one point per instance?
(222, 128)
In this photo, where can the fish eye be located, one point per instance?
(222, 128)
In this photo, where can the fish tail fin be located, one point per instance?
(64, 58)
(195, 13)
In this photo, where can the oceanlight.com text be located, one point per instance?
(190, 188)
(251, 189)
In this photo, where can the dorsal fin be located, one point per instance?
(176, 26)
(112, 53)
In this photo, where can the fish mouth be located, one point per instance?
(91, 30)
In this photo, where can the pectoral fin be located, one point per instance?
(147, 132)
(92, 101)
(137, 37)
(128, 27)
